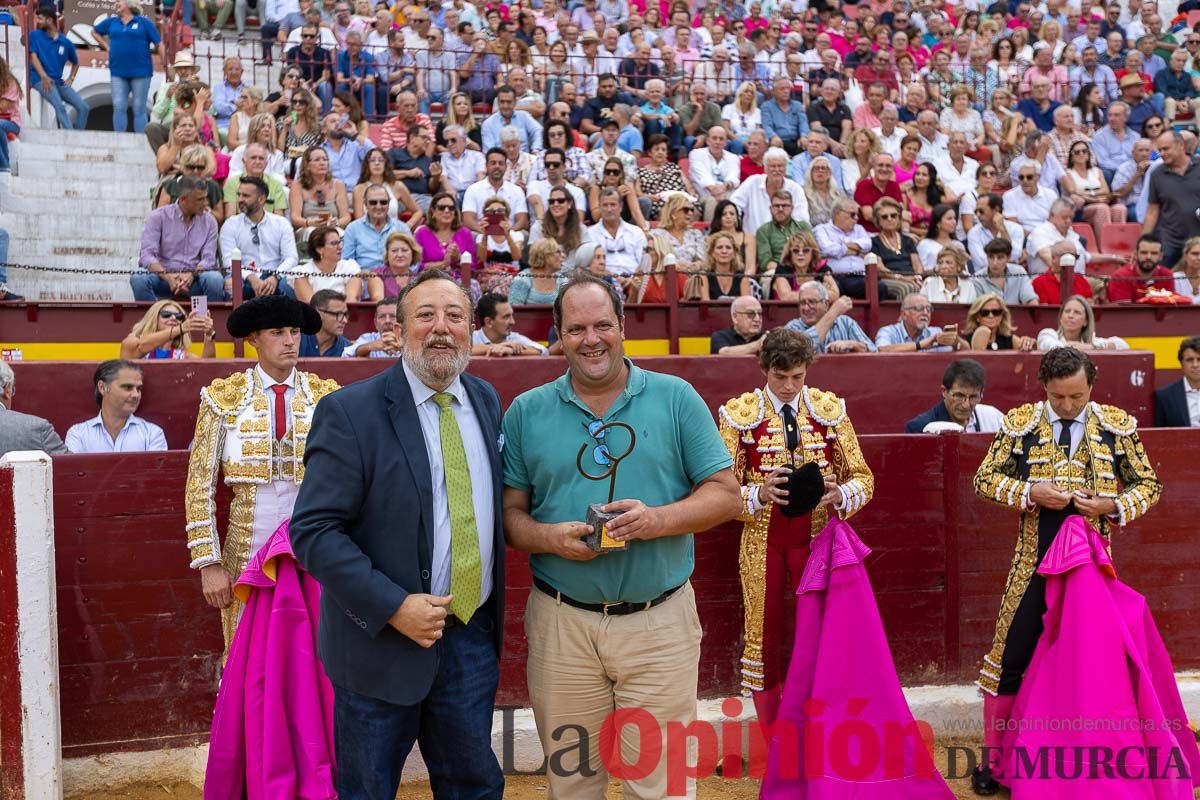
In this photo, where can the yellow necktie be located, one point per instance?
(466, 576)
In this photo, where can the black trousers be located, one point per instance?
(1026, 627)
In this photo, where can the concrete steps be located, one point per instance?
(78, 201)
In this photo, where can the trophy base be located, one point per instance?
(599, 540)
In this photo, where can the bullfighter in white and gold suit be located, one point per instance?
(775, 545)
(252, 427)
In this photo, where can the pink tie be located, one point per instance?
(281, 422)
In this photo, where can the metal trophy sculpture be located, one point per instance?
(599, 540)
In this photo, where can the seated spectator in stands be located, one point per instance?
(529, 132)
(755, 196)
(248, 102)
(868, 114)
(951, 282)
(49, 53)
(826, 323)
(299, 130)
(437, 71)
(598, 110)
(1128, 182)
(402, 261)
(900, 267)
(652, 284)
(1057, 228)
(1133, 93)
(956, 170)
(395, 67)
(493, 185)
(394, 133)
(377, 171)
(520, 164)
(941, 225)
(1175, 404)
(623, 244)
(962, 391)
(23, 431)
(874, 187)
(165, 332)
(346, 148)
(116, 429)
(714, 171)
(255, 162)
(1131, 282)
(460, 166)
(607, 148)
(460, 113)
(327, 268)
(660, 178)
(495, 335)
(538, 285)
(266, 242)
(1039, 106)
(912, 334)
(499, 248)
(558, 133)
(479, 70)
(744, 337)
(860, 149)
(538, 192)
(1003, 278)
(365, 237)
(783, 118)
(697, 116)
(381, 342)
(772, 237)
(1048, 285)
(814, 147)
(526, 99)
(329, 341)
(184, 133)
(197, 161)
(179, 249)
(989, 326)
(658, 118)
(1028, 202)
(1077, 328)
(182, 74)
(1179, 88)
(345, 105)
(408, 172)
(834, 115)
(799, 263)
(314, 63)
(1037, 150)
(990, 225)
(563, 223)
(443, 240)
(723, 274)
(1187, 274)
(843, 243)
(317, 198)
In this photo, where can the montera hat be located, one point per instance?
(272, 311)
(805, 487)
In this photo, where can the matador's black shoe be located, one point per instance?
(982, 781)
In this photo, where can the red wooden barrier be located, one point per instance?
(882, 391)
(138, 646)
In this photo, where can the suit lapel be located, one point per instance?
(403, 413)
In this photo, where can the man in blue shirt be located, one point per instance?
(783, 118)
(116, 429)
(49, 53)
(356, 72)
(1039, 107)
(506, 102)
(329, 341)
(346, 152)
(912, 334)
(827, 325)
(366, 238)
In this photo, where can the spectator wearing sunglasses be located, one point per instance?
(165, 332)
(538, 192)
(365, 237)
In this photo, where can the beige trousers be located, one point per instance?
(583, 666)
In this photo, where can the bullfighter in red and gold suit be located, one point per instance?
(770, 432)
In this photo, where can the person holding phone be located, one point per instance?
(499, 248)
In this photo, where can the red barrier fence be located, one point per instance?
(139, 647)
(882, 391)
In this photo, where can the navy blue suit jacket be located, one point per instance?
(363, 527)
(936, 414)
(1170, 406)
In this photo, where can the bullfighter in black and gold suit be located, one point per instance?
(1062, 456)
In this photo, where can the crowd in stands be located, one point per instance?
(769, 144)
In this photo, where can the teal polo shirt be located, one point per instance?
(678, 446)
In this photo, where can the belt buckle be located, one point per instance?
(607, 606)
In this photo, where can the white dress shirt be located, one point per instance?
(623, 250)
(1046, 235)
(751, 197)
(1192, 396)
(832, 241)
(479, 464)
(463, 171)
(274, 501)
(138, 436)
(704, 170)
(1028, 211)
(980, 236)
(276, 247)
(959, 181)
(891, 144)
(478, 194)
(1077, 429)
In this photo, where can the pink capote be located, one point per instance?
(272, 731)
(842, 686)
(1100, 658)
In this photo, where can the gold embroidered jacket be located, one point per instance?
(233, 434)
(752, 430)
(1025, 452)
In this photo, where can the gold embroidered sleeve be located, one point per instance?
(854, 477)
(732, 438)
(1142, 487)
(997, 479)
(199, 500)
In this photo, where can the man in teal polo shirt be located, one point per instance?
(618, 630)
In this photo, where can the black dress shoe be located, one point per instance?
(982, 781)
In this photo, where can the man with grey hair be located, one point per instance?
(754, 195)
(784, 119)
(629, 138)
(1127, 182)
(1062, 255)
(461, 166)
(1055, 230)
(955, 168)
(1028, 202)
(745, 336)
(1113, 144)
(624, 244)
(843, 243)
(827, 324)
(116, 429)
(890, 134)
(934, 143)
(23, 431)
(831, 111)
(716, 75)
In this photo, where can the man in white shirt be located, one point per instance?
(537, 194)
(1028, 202)
(754, 194)
(1055, 229)
(461, 166)
(494, 185)
(714, 171)
(1037, 151)
(933, 141)
(889, 131)
(495, 335)
(266, 242)
(624, 244)
(955, 169)
(116, 429)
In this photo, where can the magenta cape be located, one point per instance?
(272, 731)
(1100, 678)
(844, 729)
